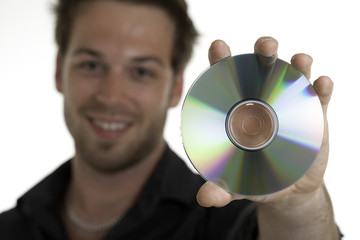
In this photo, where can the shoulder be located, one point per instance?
(9, 218)
(236, 219)
(179, 176)
(13, 225)
(37, 206)
(239, 218)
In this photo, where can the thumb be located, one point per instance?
(210, 195)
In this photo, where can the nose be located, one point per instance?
(112, 89)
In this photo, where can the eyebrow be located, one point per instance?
(88, 51)
(149, 59)
(137, 59)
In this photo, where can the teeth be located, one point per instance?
(110, 126)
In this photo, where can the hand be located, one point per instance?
(212, 195)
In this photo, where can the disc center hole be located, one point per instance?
(252, 124)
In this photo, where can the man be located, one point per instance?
(120, 68)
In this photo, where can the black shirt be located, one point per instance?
(166, 209)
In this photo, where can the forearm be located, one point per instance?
(308, 218)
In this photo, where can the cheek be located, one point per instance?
(77, 92)
(75, 96)
(157, 100)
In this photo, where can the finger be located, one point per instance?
(218, 51)
(324, 87)
(302, 62)
(266, 46)
(210, 195)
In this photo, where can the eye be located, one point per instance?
(142, 74)
(90, 66)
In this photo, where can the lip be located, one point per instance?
(108, 128)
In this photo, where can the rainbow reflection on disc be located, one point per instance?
(273, 83)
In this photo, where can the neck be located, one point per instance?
(95, 196)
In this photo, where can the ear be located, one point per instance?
(58, 69)
(177, 89)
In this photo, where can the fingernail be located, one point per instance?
(264, 39)
(261, 41)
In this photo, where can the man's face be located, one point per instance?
(117, 81)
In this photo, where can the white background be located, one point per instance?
(33, 136)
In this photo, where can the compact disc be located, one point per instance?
(252, 124)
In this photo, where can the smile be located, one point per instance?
(109, 129)
(110, 126)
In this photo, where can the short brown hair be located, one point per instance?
(185, 32)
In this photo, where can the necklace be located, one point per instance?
(90, 227)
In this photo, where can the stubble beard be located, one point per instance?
(114, 157)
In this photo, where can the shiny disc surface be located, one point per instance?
(292, 150)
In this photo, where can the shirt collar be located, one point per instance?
(48, 193)
(171, 180)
